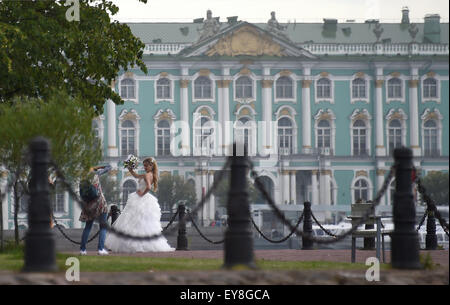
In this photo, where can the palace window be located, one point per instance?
(430, 88)
(203, 136)
(163, 90)
(202, 88)
(395, 135)
(163, 138)
(127, 88)
(129, 187)
(359, 88)
(59, 200)
(323, 88)
(430, 135)
(359, 138)
(128, 138)
(323, 134)
(285, 132)
(361, 190)
(284, 87)
(395, 88)
(244, 87)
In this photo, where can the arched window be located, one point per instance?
(395, 135)
(163, 138)
(285, 132)
(359, 138)
(244, 87)
(430, 88)
(359, 88)
(163, 90)
(430, 135)
(128, 138)
(127, 88)
(203, 136)
(243, 134)
(361, 190)
(59, 199)
(24, 199)
(324, 88)
(202, 88)
(323, 134)
(128, 187)
(284, 87)
(395, 88)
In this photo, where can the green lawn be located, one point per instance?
(12, 259)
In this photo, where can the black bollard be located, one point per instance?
(238, 236)
(431, 238)
(182, 242)
(40, 255)
(404, 239)
(307, 244)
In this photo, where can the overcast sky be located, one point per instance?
(286, 10)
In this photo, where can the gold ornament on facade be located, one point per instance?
(285, 73)
(246, 62)
(245, 71)
(129, 116)
(184, 83)
(432, 116)
(395, 74)
(431, 74)
(314, 172)
(361, 173)
(204, 72)
(245, 111)
(224, 83)
(379, 83)
(396, 115)
(164, 74)
(267, 83)
(285, 112)
(413, 83)
(381, 172)
(306, 83)
(360, 116)
(326, 172)
(324, 74)
(204, 112)
(129, 74)
(246, 41)
(360, 74)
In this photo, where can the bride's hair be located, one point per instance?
(152, 162)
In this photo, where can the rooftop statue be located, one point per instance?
(274, 27)
(210, 26)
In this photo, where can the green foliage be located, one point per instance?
(41, 52)
(172, 189)
(111, 189)
(64, 121)
(436, 185)
(427, 262)
(223, 188)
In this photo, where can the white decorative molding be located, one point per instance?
(330, 77)
(132, 76)
(253, 78)
(133, 116)
(331, 118)
(164, 48)
(366, 79)
(365, 116)
(438, 79)
(212, 78)
(403, 79)
(402, 117)
(294, 80)
(172, 79)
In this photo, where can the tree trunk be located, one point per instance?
(16, 212)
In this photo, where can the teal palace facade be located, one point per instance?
(319, 106)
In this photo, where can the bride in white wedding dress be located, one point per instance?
(140, 217)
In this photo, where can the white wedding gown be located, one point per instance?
(140, 217)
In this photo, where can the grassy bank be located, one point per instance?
(12, 260)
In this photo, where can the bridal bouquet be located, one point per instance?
(131, 162)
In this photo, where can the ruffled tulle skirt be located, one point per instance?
(140, 217)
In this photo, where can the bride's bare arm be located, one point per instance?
(133, 173)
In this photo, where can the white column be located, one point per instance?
(414, 113)
(5, 203)
(306, 116)
(293, 190)
(113, 151)
(285, 187)
(198, 191)
(266, 85)
(184, 116)
(314, 188)
(380, 150)
(325, 187)
(380, 181)
(212, 201)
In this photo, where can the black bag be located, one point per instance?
(88, 191)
